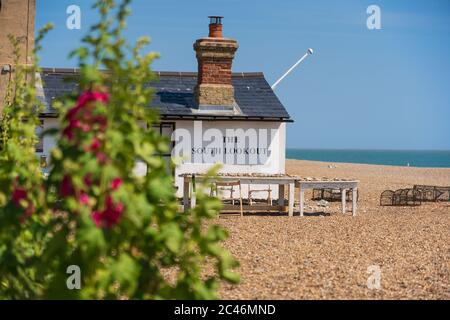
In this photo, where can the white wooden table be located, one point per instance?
(281, 181)
(343, 185)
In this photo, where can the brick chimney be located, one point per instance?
(215, 56)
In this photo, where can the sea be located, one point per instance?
(412, 158)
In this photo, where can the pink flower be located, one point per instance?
(84, 198)
(116, 183)
(80, 116)
(110, 216)
(87, 96)
(101, 157)
(85, 127)
(66, 186)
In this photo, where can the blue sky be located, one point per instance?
(362, 89)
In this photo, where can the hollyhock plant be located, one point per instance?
(66, 187)
(96, 144)
(110, 215)
(20, 200)
(101, 158)
(24, 218)
(88, 179)
(84, 198)
(122, 230)
(88, 96)
(80, 117)
(81, 121)
(69, 130)
(116, 183)
(18, 195)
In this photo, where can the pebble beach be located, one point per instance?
(330, 255)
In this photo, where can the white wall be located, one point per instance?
(276, 142)
(198, 134)
(49, 141)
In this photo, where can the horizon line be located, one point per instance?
(362, 149)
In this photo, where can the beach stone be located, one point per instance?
(409, 244)
(323, 203)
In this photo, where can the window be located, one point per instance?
(166, 129)
(39, 130)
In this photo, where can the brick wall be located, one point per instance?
(215, 58)
(17, 17)
(214, 72)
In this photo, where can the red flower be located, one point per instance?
(68, 132)
(84, 198)
(88, 179)
(28, 213)
(116, 183)
(101, 157)
(18, 195)
(87, 96)
(101, 121)
(80, 116)
(85, 127)
(110, 215)
(96, 144)
(66, 187)
(73, 112)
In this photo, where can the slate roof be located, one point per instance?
(174, 96)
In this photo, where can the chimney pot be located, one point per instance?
(215, 26)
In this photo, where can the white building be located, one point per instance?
(212, 115)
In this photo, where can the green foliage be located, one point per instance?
(22, 210)
(125, 232)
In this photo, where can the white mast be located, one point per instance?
(309, 52)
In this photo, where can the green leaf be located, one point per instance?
(172, 236)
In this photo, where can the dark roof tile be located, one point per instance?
(174, 93)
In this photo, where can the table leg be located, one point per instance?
(343, 192)
(302, 200)
(291, 199)
(281, 195)
(354, 198)
(193, 200)
(193, 195)
(186, 194)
